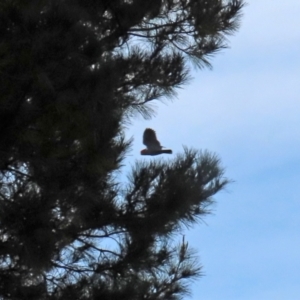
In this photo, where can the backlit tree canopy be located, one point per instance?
(72, 72)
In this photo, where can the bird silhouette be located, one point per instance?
(152, 144)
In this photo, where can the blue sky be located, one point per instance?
(247, 110)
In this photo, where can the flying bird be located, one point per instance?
(152, 144)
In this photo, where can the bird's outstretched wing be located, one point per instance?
(150, 140)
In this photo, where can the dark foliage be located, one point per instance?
(72, 72)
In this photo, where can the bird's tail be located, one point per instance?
(167, 151)
(155, 152)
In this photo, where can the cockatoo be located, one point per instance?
(152, 144)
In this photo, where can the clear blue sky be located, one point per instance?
(247, 110)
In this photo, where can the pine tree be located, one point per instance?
(72, 73)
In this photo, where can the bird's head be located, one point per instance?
(144, 152)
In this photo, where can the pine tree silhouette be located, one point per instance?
(72, 72)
